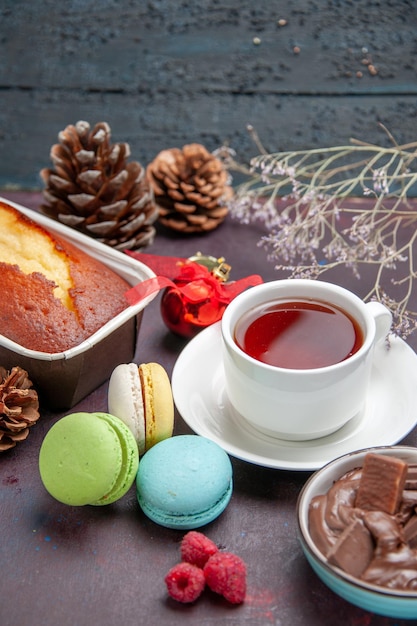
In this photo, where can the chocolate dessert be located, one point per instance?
(366, 524)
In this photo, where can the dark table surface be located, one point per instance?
(85, 565)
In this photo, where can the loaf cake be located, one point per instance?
(54, 295)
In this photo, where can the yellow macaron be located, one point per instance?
(141, 396)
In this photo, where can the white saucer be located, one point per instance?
(200, 397)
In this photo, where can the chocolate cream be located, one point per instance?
(366, 524)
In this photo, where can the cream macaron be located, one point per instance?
(141, 396)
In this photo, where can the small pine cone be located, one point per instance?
(190, 187)
(93, 188)
(19, 407)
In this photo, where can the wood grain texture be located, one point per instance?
(168, 73)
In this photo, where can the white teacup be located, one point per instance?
(301, 404)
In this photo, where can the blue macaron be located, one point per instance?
(184, 482)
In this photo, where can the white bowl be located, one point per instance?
(381, 600)
(63, 378)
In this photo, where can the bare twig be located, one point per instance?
(304, 198)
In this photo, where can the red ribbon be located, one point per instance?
(194, 281)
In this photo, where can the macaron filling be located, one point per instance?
(193, 519)
(130, 461)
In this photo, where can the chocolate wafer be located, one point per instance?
(381, 484)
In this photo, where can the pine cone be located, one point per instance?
(18, 407)
(190, 187)
(93, 189)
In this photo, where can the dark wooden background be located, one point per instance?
(164, 73)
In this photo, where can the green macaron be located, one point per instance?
(88, 458)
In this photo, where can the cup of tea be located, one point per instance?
(297, 356)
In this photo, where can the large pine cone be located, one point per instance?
(93, 188)
(190, 187)
(18, 407)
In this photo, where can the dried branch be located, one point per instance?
(306, 200)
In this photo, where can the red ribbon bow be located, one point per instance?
(195, 282)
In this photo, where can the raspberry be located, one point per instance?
(185, 582)
(225, 574)
(196, 548)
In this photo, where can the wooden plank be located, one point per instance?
(30, 124)
(232, 48)
(167, 73)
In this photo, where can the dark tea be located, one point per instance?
(300, 334)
